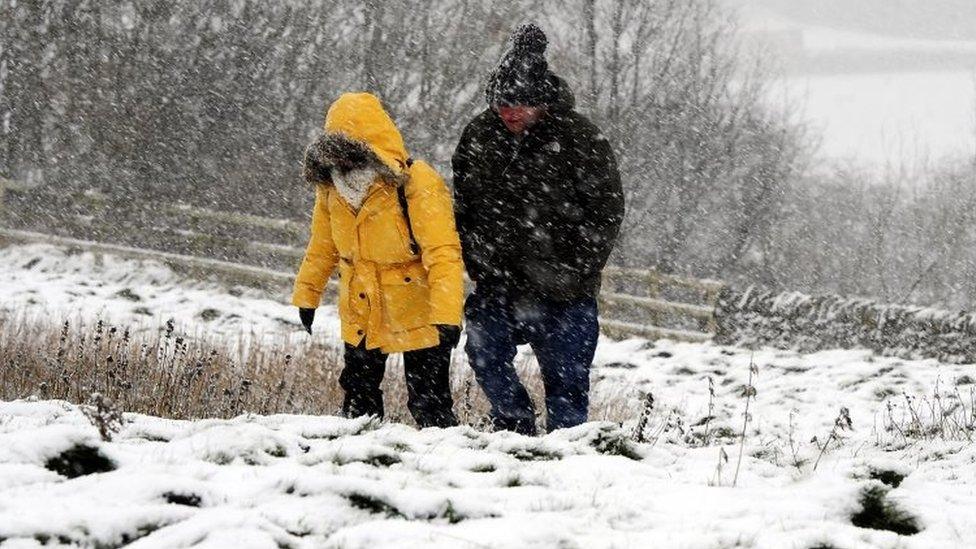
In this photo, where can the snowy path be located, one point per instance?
(301, 481)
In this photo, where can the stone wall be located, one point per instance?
(810, 323)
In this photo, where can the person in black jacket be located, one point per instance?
(539, 205)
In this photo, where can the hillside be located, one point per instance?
(807, 478)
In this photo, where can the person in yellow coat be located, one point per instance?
(386, 223)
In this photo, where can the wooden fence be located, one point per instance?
(260, 251)
(697, 309)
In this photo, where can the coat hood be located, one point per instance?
(359, 133)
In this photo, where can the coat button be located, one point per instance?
(359, 332)
(362, 295)
(406, 279)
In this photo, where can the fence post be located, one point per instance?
(711, 299)
(654, 292)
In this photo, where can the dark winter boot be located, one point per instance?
(429, 385)
(361, 377)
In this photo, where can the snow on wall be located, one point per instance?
(810, 323)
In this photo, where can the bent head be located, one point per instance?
(519, 118)
(361, 118)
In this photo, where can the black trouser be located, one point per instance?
(428, 384)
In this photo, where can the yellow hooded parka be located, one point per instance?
(388, 295)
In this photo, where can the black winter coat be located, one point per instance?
(537, 214)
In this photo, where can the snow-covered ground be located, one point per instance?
(298, 481)
(301, 481)
(42, 279)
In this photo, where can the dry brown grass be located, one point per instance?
(163, 373)
(169, 374)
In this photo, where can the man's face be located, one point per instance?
(518, 118)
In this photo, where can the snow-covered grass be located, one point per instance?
(305, 481)
(319, 481)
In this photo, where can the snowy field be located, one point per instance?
(42, 280)
(302, 481)
(888, 117)
(871, 117)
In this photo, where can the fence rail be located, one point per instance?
(639, 310)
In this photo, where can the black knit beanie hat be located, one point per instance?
(523, 77)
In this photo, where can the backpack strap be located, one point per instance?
(404, 208)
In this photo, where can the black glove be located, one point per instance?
(450, 335)
(307, 316)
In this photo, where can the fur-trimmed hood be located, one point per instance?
(359, 133)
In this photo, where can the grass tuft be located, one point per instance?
(373, 504)
(879, 513)
(179, 498)
(615, 443)
(887, 477)
(78, 461)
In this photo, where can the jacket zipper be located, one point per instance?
(518, 149)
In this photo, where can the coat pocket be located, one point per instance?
(406, 297)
